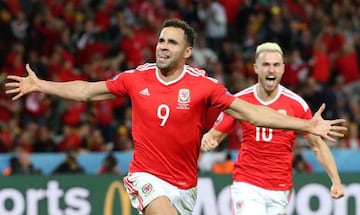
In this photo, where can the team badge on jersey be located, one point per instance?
(183, 98)
(147, 188)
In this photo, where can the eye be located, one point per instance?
(174, 42)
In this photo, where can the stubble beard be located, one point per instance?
(164, 67)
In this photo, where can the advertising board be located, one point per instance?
(106, 195)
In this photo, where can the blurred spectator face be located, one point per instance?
(24, 159)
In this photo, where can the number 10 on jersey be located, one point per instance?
(263, 134)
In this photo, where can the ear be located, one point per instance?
(255, 68)
(188, 52)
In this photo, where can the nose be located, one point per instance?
(272, 68)
(162, 45)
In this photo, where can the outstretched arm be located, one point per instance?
(72, 90)
(262, 116)
(211, 139)
(325, 158)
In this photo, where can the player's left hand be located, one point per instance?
(337, 191)
(328, 129)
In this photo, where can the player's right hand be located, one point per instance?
(22, 85)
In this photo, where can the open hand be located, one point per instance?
(328, 129)
(22, 85)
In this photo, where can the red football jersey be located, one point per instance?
(168, 119)
(265, 158)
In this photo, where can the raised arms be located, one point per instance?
(73, 90)
(262, 116)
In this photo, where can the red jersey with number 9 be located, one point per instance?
(265, 158)
(168, 119)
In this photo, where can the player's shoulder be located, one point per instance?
(293, 97)
(145, 67)
(142, 69)
(139, 70)
(199, 73)
(249, 91)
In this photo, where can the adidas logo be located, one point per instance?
(145, 92)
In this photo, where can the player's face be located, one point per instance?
(172, 49)
(270, 69)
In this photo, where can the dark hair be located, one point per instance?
(177, 23)
(111, 160)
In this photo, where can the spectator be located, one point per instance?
(8, 109)
(320, 63)
(27, 137)
(300, 165)
(19, 26)
(36, 108)
(353, 139)
(204, 56)
(14, 59)
(74, 114)
(213, 15)
(20, 164)
(347, 64)
(103, 116)
(44, 141)
(13, 165)
(93, 141)
(122, 141)
(69, 164)
(8, 134)
(133, 46)
(110, 166)
(74, 137)
(296, 70)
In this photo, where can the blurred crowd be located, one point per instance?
(92, 40)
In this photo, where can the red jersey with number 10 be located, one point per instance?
(168, 119)
(265, 158)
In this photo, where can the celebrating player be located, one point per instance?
(262, 174)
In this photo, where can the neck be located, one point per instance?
(169, 74)
(266, 95)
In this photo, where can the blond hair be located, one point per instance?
(268, 47)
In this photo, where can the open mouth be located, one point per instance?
(163, 56)
(270, 78)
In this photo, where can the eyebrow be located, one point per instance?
(172, 41)
(268, 63)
